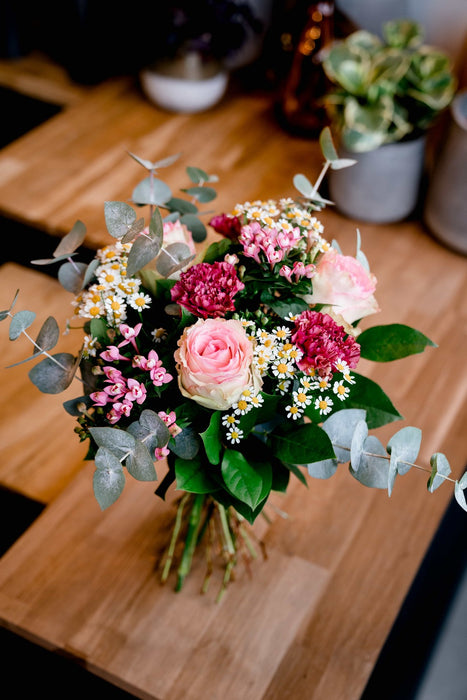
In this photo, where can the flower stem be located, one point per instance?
(191, 540)
(173, 541)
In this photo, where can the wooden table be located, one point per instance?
(312, 619)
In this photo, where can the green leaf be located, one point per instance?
(192, 476)
(20, 322)
(71, 276)
(303, 185)
(98, 329)
(173, 258)
(211, 438)
(156, 227)
(109, 479)
(90, 270)
(391, 342)
(243, 480)
(342, 163)
(151, 191)
(302, 444)
(217, 250)
(284, 306)
(119, 218)
(439, 468)
(182, 206)
(404, 446)
(296, 471)
(368, 395)
(52, 378)
(186, 444)
(151, 429)
(140, 464)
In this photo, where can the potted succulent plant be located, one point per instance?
(386, 94)
(189, 70)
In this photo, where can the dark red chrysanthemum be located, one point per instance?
(207, 290)
(323, 342)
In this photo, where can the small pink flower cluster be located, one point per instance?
(269, 243)
(169, 419)
(207, 290)
(298, 270)
(121, 392)
(323, 343)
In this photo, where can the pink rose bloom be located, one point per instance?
(176, 232)
(214, 363)
(342, 282)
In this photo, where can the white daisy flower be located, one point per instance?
(229, 420)
(294, 412)
(139, 301)
(340, 390)
(241, 407)
(324, 405)
(234, 435)
(300, 398)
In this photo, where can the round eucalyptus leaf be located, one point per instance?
(340, 427)
(356, 446)
(374, 465)
(108, 479)
(151, 191)
(71, 276)
(53, 375)
(202, 194)
(196, 226)
(142, 252)
(140, 464)
(71, 241)
(327, 145)
(48, 336)
(303, 185)
(90, 270)
(182, 206)
(173, 258)
(119, 218)
(20, 321)
(197, 175)
(322, 470)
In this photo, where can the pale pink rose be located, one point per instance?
(214, 363)
(176, 232)
(345, 286)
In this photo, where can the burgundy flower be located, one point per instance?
(227, 226)
(323, 342)
(207, 290)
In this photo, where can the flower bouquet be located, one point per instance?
(231, 367)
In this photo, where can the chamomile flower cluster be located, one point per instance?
(277, 361)
(112, 292)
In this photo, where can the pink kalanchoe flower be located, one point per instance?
(136, 391)
(323, 342)
(119, 409)
(207, 290)
(227, 226)
(161, 452)
(129, 334)
(100, 398)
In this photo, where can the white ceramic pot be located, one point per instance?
(187, 85)
(384, 184)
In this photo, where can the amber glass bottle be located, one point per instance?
(299, 109)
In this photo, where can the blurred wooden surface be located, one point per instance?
(312, 619)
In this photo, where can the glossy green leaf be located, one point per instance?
(211, 438)
(366, 394)
(302, 444)
(193, 476)
(241, 478)
(391, 342)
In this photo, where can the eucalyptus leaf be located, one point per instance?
(71, 276)
(90, 271)
(182, 206)
(173, 258)
(196, 226)
(340, 428)
(196, 175)
(145, 163)
(134, 230)
(439, 468)
(109, 479)
(20, 322)
(323, 469)
(186, 444)
(165, 162)
(327, 145)
(357, 444)
(342, 163)
(405, 446)
(151, 191)
(142, 252)
(151, 429)
(459, 495)
(71, 241)
(156, 227)
(53, 375)
(119, 218)
(119, 442)
(303, 185)
(140, 464)
(374, 465)
(4, 314)
(202, 194)
(48, 336)
(72, 406)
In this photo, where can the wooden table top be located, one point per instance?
(311, 620)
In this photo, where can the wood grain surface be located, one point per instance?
(311, 620)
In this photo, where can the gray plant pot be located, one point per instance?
(445, 211)
(384, 184)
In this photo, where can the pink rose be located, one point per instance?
(214, 363)
(342, 283)
(176, 232)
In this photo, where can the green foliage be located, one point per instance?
(392, 342)
(384, 90)
(368, 395)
